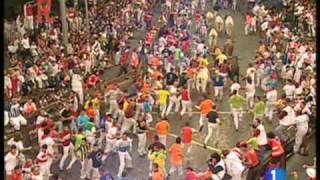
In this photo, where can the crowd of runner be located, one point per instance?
(178, 58)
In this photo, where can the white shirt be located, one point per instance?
(262, 138)
(11, 161)
(49, 142)
(251, 72)
(272, 96)
(234, 164)
(18, 144)
(112, 131)
(302, 122)
(37, 177)
(289, 89)
(40, 119)
(76, 81)
(235, 86)
(25, 43)
(251, 89)
(220, 174)
(13, 49)
(288, 120)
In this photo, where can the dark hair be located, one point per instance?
(156, 138)
(45, 146)
(13, 146)
(46, 131)
(271, 135)
(215, 156)
(178, 140)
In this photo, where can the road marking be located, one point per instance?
(194, 142)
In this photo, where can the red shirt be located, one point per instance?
(186, 135)
(16, 175)
(185, 95)
(63, 135)
(191, 175)
(252, 158)
(29, 10)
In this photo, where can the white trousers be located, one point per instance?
(202, 118)
(163, 139)
(6, 118)
(149, 118)
(142, 141)
(300, 134)
(79, 91)
(237, 116)
(186, 105)
(66, 151)
(16, 122)
(113, 108)
(45, 167)
(173, 100)
(191, 83)
(163, 108)
(110, 146)
(84, 168)
(175, 168)
(201, 85)
(125, 160)
(218, 91)
(269, 110)
(211, 127)
(250, 99)
(127, 124)
(246, 29)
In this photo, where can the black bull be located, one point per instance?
(234, 68)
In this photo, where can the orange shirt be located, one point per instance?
(191, 71)
(91, 112)
(158, 175)
(207, 174)
(176, 154)
(156, 74)
(206, 106)
(155, 61)
(162, 127)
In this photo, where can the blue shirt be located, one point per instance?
(147, 106)
(107, 176)
(96, 159)
(218, 80)
(82, 120)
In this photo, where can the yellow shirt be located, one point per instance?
(204, 61)
(125, 105)
(96, 103)
(221, 58)
(163, 96)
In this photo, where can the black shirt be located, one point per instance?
(156, 144)
(212, 116)
(171, 78)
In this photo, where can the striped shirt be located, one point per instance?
(15, 110)
(83, 152)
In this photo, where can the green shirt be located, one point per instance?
(259, 108)
(253, 142)
(236, 101)
(78, 139)
(177, 53)
(89, 126)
